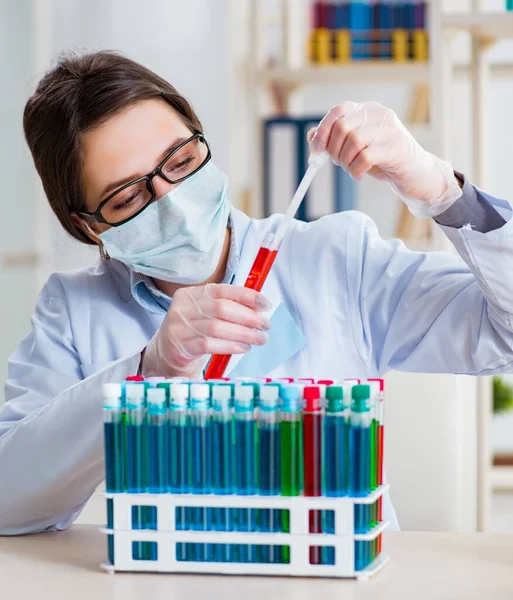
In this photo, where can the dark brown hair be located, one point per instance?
(78, 94)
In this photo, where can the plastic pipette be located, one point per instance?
(268, 252)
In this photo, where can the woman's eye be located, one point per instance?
(180, 166)
(123, 204)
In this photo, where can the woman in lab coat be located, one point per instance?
(125, 165)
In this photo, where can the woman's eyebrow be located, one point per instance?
(120, 182)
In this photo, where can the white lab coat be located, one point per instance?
(357, 306)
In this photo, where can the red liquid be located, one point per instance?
(256, 279)
(381, 435)
(312, 445)
(260, 269)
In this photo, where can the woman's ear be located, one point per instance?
(86, 228)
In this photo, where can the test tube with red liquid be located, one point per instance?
(312, 451)
(268, 251)
(255, 280)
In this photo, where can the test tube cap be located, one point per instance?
(135, 393)
(221, 395)
(270, 394)
(199, 391)
(179, 394)
(156, 396)
(312, 396)
(334, 398)
(244, 396)
(112, 393)
(291, 396)
(134, 378)
(361, 392)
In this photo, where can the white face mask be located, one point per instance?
(180, 237)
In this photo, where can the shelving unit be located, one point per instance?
(438, 73)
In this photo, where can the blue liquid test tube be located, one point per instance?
(336, 446)
(199, 454)
(157, 440)
(359, 447)
(245, 463)
(222, 469)
(269, 464)
(114, 434)
(178, 481)
(136, 445)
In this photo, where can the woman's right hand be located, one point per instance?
(204, 320)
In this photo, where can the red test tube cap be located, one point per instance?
(134, 378)
(312, 396)
(325, 382)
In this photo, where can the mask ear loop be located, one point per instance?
(103, 253)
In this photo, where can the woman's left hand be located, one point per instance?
(369, 138)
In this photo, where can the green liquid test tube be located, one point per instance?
(290, 446)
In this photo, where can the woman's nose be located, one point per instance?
(161, 187)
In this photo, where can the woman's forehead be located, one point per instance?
(129, 143)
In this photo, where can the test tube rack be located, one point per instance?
(260, 477)
(299, 541)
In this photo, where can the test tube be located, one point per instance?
(291, 455)
(245, 463)
(136, 444)
(379, 449)
(136, 437)
(114, 433)
(269, 463)
(157, 440)
(199, 453)
(312, 460)
(359, 445)
(178, 476)
(222, 436)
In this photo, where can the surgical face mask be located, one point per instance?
(180, 237)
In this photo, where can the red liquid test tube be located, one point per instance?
(255, 281)
(312, 457)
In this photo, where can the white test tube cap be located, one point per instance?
(221, 395)
(156, 396)
(112, 393)
(269, 394)
(244, 395)
(200, 391)
(179, 394)
(135, 393)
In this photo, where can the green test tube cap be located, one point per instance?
(361, 395)
(334, 398)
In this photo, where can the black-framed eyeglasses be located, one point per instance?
(131, 199)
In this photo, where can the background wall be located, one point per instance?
(200, 49)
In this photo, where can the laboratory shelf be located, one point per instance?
(355, 71)
(482, 25)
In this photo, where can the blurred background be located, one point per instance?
(258, 72)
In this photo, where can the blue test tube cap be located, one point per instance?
(292, 398)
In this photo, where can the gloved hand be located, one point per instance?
(367, 137)
(204, 320)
